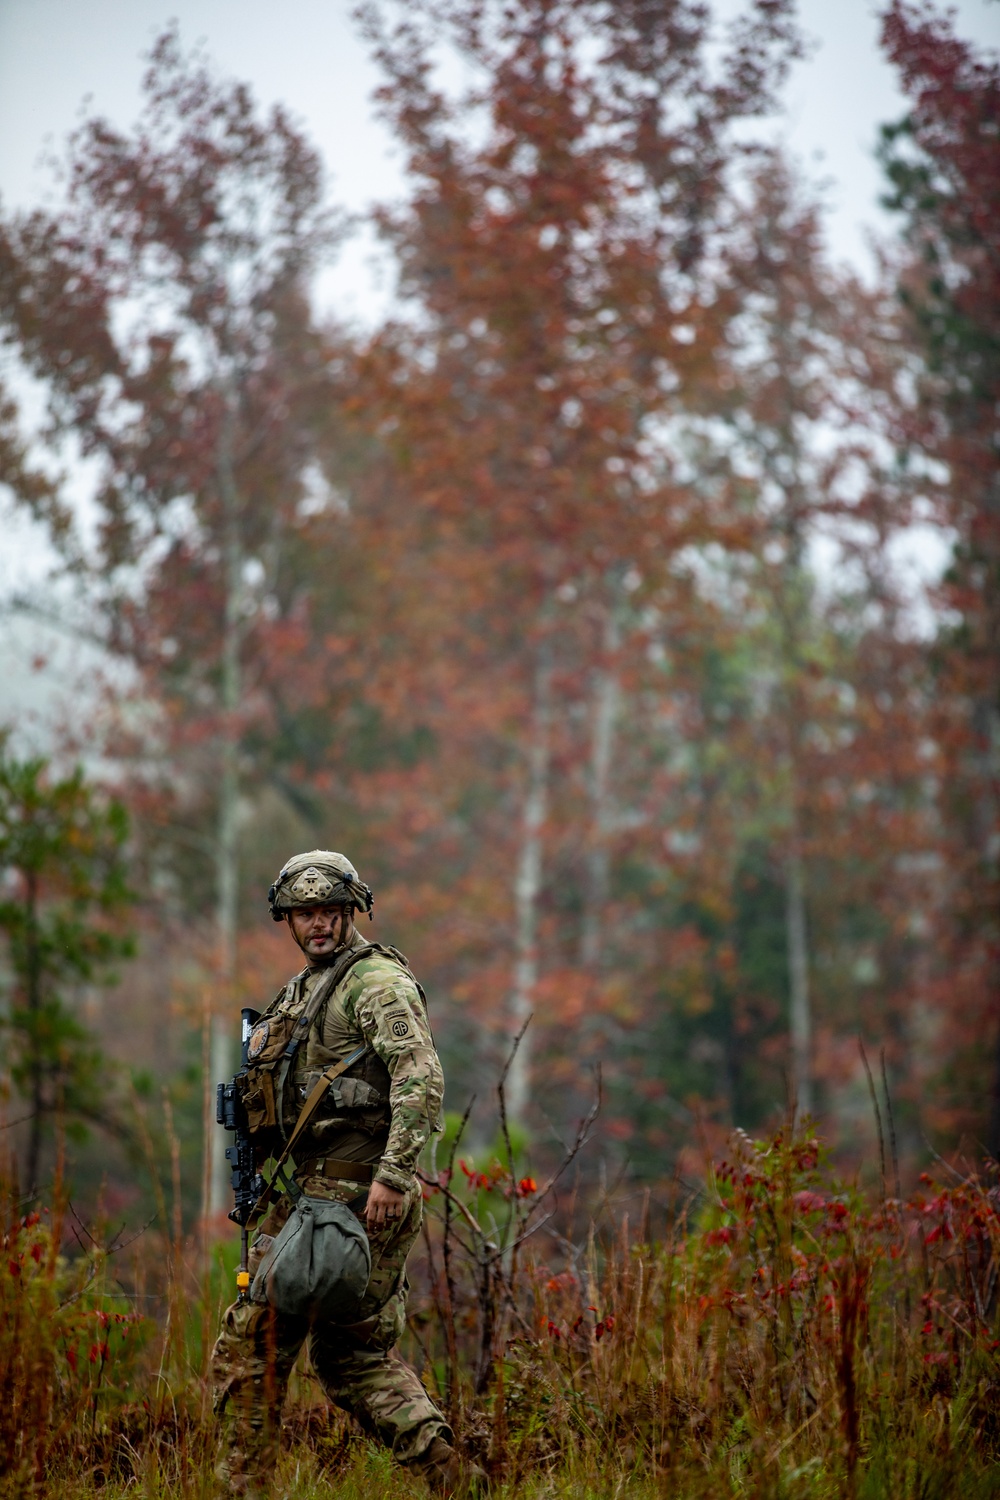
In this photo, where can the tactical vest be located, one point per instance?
(273, 1097)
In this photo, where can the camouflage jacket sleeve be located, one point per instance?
(390, 1013)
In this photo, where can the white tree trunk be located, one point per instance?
(606, 704)
(800, 1013)
(527, 888)
(791, 596)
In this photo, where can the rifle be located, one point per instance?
(247, 1181)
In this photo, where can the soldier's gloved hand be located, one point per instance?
(384, 1205)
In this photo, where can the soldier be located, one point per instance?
(361, 1149)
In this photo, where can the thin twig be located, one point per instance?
(878, 1113)
(514, 1215)
(433, 1214)
(580, 1140)
(513, 1053)
(449, 1278)
(133, 1237)
(892, 1127)
(531, 1229)
(958, 1176)
(72, 1209)
(456, 1202)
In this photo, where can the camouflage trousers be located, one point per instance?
(256, 1349)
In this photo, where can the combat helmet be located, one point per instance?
(320, 877)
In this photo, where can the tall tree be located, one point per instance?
(941, 161)
(557, 245)
(65, 896)
(792, 799)
(813, 359)
(166, 309)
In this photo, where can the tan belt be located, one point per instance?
(344, 1171)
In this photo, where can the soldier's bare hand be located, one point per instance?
(384, 1206)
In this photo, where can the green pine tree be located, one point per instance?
(62, 903)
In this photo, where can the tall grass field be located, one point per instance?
(784, 1335)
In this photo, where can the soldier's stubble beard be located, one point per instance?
(317, 932)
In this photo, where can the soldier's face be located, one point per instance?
(316, 929)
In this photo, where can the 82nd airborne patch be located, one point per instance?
(258, 1040)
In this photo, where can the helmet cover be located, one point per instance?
(320, 877)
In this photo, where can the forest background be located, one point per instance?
(567, 602)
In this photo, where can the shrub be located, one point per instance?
(788, 1335)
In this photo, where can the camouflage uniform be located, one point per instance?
(377, 1002)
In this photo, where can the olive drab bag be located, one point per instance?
(318, 1266)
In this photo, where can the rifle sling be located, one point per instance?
(324, 987)
(302, 1124)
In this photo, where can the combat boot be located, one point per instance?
(447, 1473)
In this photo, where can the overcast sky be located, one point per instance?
(54, 54)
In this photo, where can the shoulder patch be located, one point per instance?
(258, 1039)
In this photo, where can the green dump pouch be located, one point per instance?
(318, 1266)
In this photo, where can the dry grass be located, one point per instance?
(788, 1337)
